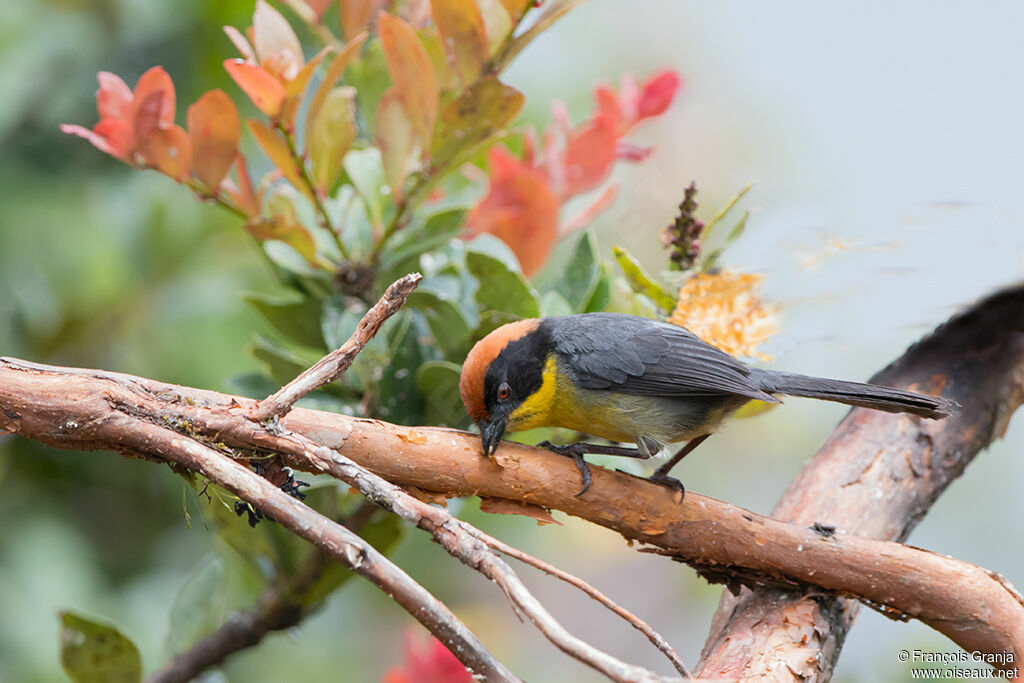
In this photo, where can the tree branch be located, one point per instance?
(977, 609)
(877, 478)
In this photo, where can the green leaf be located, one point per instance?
(330, 136)
(641, 282)
(578, 279)
(398, 399)
(199, 606)
(283, 364)
(298, 320)
(473, 120)
(493, 246)
(91, 652)
(602, 295)
(710, 262)
(553, 303)
(438, 384)
(369, 76)
(501, 289)
(403, 255)
(444, 317)
(382, 533)
(252, 385)
(366, 170)
(716, 219)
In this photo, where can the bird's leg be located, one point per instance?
(576, 451)
(661, 475)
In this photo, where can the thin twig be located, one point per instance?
(331, 366)
(342, 544)
(636, 622)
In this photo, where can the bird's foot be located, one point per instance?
(665, 480)
(576, 452)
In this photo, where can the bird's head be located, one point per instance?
(501, 373)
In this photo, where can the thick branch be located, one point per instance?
(976, 609)
(82, 412)
(877, 478)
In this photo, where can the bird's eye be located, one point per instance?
(504, 391)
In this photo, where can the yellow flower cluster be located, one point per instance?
(724, 309)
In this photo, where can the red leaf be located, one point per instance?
(119, 137)
(154, 81)
(169, 151)
(265, 91)
(519, 208)
(146, 119)
(429, 662)
(114, 98)
(214, 128)
(99, 139)
(657, 93)
(589, 154)
(412, 73)
(462, 32)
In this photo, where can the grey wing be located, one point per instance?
(635, 355)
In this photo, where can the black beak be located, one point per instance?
(491, 433)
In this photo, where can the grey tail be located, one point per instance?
(855, 394)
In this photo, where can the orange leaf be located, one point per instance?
(276, 148)
(265, 91)
(244, 195)
(355, 15)
(334, 72)
(519, 208)
(277, 46)
(412, 73)
(169, 151)
(516, 8)
(114, 97)
(473, 119)
(214, 128)
(395, 140)
(155, 80)
(462, 30)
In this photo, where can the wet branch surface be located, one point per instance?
(976, 359)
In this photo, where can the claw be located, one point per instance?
(576, 453)
(669, 482)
